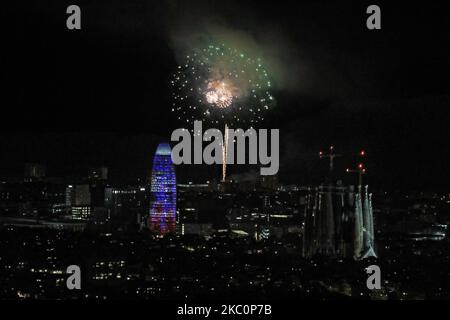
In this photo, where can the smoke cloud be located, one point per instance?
(196, 26)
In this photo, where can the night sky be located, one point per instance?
(100, 95)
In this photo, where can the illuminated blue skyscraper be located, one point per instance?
(164, 192)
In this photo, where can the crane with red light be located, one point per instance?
(360, 170)
(331, 155)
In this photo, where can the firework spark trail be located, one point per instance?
(225, 154)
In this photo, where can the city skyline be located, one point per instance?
(114, 187)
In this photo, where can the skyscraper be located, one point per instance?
(34, 172)
(98, 174)
(163, 192)
(78, 200)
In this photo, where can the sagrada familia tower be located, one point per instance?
(339, 220)
(339, 223)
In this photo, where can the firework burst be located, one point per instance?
(219, 85)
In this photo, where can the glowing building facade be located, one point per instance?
(162, 217)
(339, 223)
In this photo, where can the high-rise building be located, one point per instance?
(78, 199)
(162, 217)
(339, 223)
(127, 203)
(98, 174)
(34, 171)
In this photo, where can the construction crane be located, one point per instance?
(331, 155)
